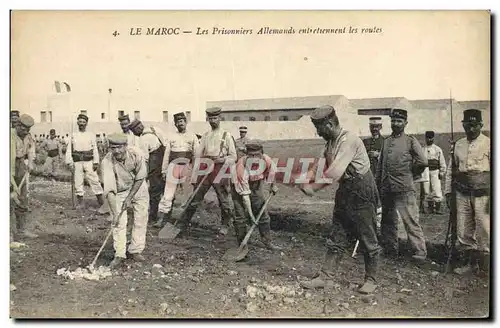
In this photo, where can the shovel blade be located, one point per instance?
(169, 231)
(235, 254)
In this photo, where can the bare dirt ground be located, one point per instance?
(194, 281)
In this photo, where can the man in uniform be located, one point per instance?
(124, 173)
(22, 163)
(437, 170)
(133, 140)
(152, 144)
(217, 145)
(241, 141)
(179, 145)
(401, 160)
(82, 156)
(354, 215)
(53, 148)
(248, 192)
(14, 118)
(374, 144)
(472, 159)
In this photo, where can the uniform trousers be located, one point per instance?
(473, 222)
(178, 171)
(86, 170)
(432, 188)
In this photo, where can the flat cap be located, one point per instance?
(14, 112)
(472, 116)
(322, 113)
(254, 145)
(117, 139)
(83, 116)
(179, 116)
(399, 113)
(429, 134)
(375, 120)
(134, 124)
(26, 120)
(213, 111)
(123, 117)
(243, 128)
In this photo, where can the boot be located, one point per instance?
(160, 220)
(117, 261)
(438, 208)
(484, 264)
(470, 262)
(371, 268)
(104, 207)
(265, 235)
(324, 278)
(79, 201)
(431, 207)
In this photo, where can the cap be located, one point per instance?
(26, 120)
(243, 129)
(123, 117)
(254, 145)
(179, 116)
(472, 116)
(429, 134)
(117, 139)
(134, 124)
(83, 116)
(52, 131)
(322, 113)
(213, 111)
(399, 113)
(14, 112)
(375, 120)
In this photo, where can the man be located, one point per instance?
(472, 159)
(14, 118)
(437, 170)
(374, 144)
(248, 193)
(354, 215)
(241, 141)
(217, 145)
(401, 160)
(22, 163)
(179, 145)
(132, 140)
(124, 173)
(151, 143)
(53, 148)
(82, 157)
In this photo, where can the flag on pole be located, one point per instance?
(62, 87)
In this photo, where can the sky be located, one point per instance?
(417, 55)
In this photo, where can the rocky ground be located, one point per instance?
(188, 278)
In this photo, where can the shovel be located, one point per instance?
(14, 195)
(238, 254)
(170, 231)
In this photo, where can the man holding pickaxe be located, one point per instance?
(23, 148)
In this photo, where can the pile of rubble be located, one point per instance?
(84, 273)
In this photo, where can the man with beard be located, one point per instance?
(433, 193)
(180, 148)
(401, 160)
(132, 139)
(124, 174)
(354, 215)
(472, 159)
(53, 148)
(152, 143)
(22, 163)
(82, 157)
(241, 141)
(217, 145)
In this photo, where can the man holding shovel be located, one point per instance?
(124, 173)
(24, 147)
(252, 170)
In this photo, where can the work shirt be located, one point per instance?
(373, 144)
(179, 145)
(120, 176)
(435, 157)
(51, 144)
(243, 176)
(210, 146)
(401, 160)
(241, 145)
(25, 148)
(470, 156)
(150, 140)
(82, 141)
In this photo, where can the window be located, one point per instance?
(267, 118)
(103, 116)
(283, 118)
(43, 116)
(137, 115)
(50, 116)
(165, 116)
(252, 118)
(121, 113)
(236, 118)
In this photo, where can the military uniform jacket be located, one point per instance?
(372, 144)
